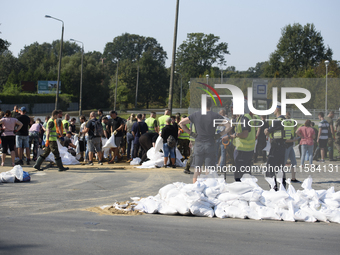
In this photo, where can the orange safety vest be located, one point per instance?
(60, 130)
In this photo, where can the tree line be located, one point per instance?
(137, 65)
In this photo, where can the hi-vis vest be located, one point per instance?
(245, 144)
(183, 135)
(162, 121)
(53, 131)
(150, 122)
(67, 125)
(288, 131)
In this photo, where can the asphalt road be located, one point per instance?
(48, 216)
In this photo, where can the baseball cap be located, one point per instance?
(69, 132)
(23, 109)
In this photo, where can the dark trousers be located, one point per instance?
(136, 152)
(243, 162)
(53, 147)
(146, 144)
(276, 160)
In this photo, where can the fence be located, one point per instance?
(39, 108)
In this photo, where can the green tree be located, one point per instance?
(299, 48)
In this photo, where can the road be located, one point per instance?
(48, 216)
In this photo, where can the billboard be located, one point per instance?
(48, 87)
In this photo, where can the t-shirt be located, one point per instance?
(151, 136)
(167, 131)
(330, 122)
(129, 125)
(204, 125)
(306, 135)
(324, 125)
(8, 125)
(67, 142)
(73, 128)
(90, 125)
(139, 128)
(116, 123)
(25, 120)
(36, 127)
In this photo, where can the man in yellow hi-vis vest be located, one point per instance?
(244, 141)
(51, 144)
(152, 123)
(162, 119)
(183, 141)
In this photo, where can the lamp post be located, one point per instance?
(326, 63)
(60, 56)
(207, 78)
(180, 101)
(81, 76)
(115, 102)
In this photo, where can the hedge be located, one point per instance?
(29, 98)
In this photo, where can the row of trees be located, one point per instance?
(139, 63)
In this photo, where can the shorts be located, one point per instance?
(82, 145)
(168, 150)
(323, 143)
(118, 140)
(22, 141)
(7, 142)
(95, 144)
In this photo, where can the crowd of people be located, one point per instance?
(235, 142)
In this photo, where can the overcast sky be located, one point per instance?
(251, 28)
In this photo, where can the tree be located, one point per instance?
(4, 44)
(199, 53)
(299, 48)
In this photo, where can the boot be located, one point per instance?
(60, 165)
(38, 163)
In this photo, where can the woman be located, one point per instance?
(307, 135)
(8, 136)
(34, 134)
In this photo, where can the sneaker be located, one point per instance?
(128, 161)
(187, 171)
(90, 163)
(321, 161)
(173, 166)
(111, 162)
(100, 163)
(28, 162)
(295, 180)
(19, 162)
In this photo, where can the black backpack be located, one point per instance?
(98, 129)
(171, 141)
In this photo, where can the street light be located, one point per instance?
(326, 63)
(180, 101)
(115, 102)
(81, 76)
(207, 78)
(60, 56)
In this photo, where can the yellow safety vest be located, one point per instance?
(150, 122)
(245, 144)
(192, 130)
(184, 135)
(162, 121)
(67, 125)
(53, 131)
(287, 132)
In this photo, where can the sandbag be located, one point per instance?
(110, 143)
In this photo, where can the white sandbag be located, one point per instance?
(66, 157)
(164, 190)
(7, 177)
(234, 212)
(302, 215)
(307, 183)
(297, 151)
(285, 215)
(266, 213)
(154, 155)
(17, 172)
(164, 208)
(197, 186)
(135, 161)
(148, 205)
(268, 145)
(251, 196)
(180, 205)
(159, 144)
(219, 211)
(227, 196)
(332, 203)
(110, 143)
(250, 213)
(200, 208)
(238, 187)
(251, 180)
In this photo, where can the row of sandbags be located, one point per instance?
(211, 196)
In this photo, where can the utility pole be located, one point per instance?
(173, 59)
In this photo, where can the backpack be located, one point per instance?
(171, 141)
(98, 129)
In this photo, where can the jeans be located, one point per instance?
(167, 150)
(87, 148)
(306, 152)
(291, 155)
(129, 137)
(22, 141)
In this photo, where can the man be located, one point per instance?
(15, 113)
(66, 124)
(147, 141)
(82, 140)
(183, 140)
(337, 135)
(277, 151)
(72, 127)
(129, 136)
(68, 143)
(22, 138)
(117, 127)
(205, 137)
(290, 142)
(220, 145)
(331, 135)
(162, 119)
(152, 123)
(143, 117)
(51, 144)
(105, 122)
(100, 115)
(244, 142)
(324, 131)
(59, 125)
(138, 129)
(94, 139)
(191, 146)
(169, 130)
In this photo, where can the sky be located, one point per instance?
(252, 29)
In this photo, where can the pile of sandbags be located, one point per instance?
(211, 196)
